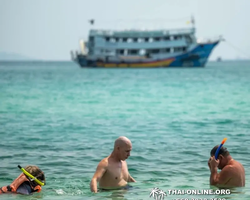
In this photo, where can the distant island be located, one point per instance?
(15, 57)
(6, 56)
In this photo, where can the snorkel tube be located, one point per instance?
(32, 177)
(218, 149)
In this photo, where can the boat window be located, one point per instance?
(120, 51)
(133, 52)
(178, 49)
(113, 40)
(151, 39)
(140, 40)
(135, 39)
(148, 54)
(130, 40)
(176, 37)
(155, 50)
(142, 51)
(167, 38)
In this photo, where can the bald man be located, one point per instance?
(112, 171)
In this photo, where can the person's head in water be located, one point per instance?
(36, 172)
(223, 156)
(24, 184)
(122, 148)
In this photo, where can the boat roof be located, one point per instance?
(140, 32)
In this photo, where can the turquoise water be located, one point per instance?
(65, 119)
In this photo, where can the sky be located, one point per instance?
(50, 29)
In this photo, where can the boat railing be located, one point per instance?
(210, 40)
(130, 31)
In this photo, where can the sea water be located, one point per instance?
(65, 119)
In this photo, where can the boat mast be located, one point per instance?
(192, 21)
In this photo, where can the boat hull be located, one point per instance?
(197, 57)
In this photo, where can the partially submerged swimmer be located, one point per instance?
(28, 182)
(232, 172)
(112, 172)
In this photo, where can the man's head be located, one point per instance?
(223, 156)
(122, 148)
(36, 172)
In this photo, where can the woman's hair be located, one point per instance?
(36, 172)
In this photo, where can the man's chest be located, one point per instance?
(118, 171)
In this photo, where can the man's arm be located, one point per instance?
(100, 170)
(131, 179)
(208, 163)
(222, 178)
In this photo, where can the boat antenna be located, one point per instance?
(192, 21)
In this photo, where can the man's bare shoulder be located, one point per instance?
(229, 169)
(238, 164)
(234, 165)
(104, 162)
